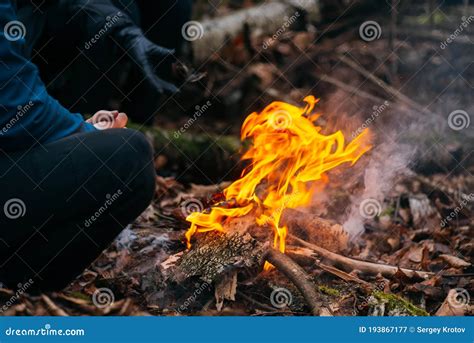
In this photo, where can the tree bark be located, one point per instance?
(267, 18)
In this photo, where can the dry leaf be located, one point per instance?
(454, 261)
(447, 309)
(226, 289)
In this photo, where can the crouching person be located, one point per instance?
(68, 187)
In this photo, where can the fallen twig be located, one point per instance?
(343, 275)
(363, 266)
(257, 303)
(295, 274)
(55, 309)
(82, 304)
(389, 89)
(305, 256)
(435, 35)
(350, 89)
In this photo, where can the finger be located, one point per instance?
(121, 120)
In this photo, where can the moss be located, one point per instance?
(328, 290)
(438, 18)
(79, 295)
(424, 19)
(389, 211)
(395, 302)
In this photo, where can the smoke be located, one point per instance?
(401, 145)
(387, 162)
(374, 176)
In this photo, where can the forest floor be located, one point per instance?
(426, 169)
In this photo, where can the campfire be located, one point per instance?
(288, 161)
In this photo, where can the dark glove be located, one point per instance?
(154, 62)
(152, 59)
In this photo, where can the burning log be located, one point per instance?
(322, 232)
(215, 256)
(288, 161)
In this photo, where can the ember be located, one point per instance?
(289, 158)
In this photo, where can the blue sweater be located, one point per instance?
(28, 115)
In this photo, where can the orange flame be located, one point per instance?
(289, 158)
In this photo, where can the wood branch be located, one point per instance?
(295, 274)
(350, 89)
(81, 304)
(55, 309)
(266, 19)
(343, 275)
(363, 266)
(387, 88)
(217, 254)
(305, 256)
(435, 35)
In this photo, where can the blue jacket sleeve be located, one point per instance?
(28, 115)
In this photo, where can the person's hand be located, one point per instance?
(103, 120)
(154, 61)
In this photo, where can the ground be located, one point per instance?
(420, 170)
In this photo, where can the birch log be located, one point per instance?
(269, 18)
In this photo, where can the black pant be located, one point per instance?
(62, 203)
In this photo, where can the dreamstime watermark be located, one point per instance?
(199, 111)
(22, 288)
(44, 331)
(370, 30)
(280, 120)
(200, 288)
(452, 37)
(369, 299)
(377, 111)
(281, 298)
(454, 213)
(459, 120)
(21, 111)
(109, 23)
(110, 200)
(192, 30)
(103, 120)
(281, 30)
(14, 208)
(14, 30)
(458, 297)
(189, 206)
(103, 297)
(370, 208)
